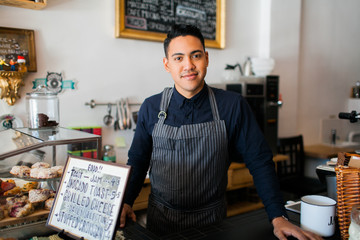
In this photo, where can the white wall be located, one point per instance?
(77, 38)
(329, 62)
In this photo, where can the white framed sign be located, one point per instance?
(89, 198)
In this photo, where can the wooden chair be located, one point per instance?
(293, 183)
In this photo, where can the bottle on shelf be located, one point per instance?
(109, 153)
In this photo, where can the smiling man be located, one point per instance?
(187, 61)
(187, 136)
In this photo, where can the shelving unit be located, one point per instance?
(24, 4)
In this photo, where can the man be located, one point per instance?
(187, 137)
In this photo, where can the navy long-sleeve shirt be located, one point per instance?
(245, 140)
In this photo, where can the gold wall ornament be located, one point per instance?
(10, 83)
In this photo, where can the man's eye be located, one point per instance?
(178, 58)
(197, 56)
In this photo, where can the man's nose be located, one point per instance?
(188, 64)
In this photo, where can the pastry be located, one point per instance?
(10, 201)
(20, 171)
(28, 186)
(40, 165)
(21, 209)
(13, 191)
(59, 170)
(43, 173)
(39, 195)
(6, 186)
(49, 203)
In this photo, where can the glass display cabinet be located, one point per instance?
(23, 141)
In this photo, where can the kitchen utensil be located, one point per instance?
(116, 123)
(128, 114)
(122, 103)
(121, 122)
(135, 116)
(230, 74)
(108, 119)
(247, 67)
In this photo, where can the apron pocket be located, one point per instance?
(163, 143)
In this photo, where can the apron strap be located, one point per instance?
(214, 108)
(165, 100)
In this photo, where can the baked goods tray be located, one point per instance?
(29, 179)
(36, 216)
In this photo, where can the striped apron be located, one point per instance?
(188, 172)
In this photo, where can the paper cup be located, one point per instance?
(318, 215)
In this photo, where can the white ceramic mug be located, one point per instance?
(318, 215)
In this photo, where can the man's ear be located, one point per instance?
(207, 58)
(166, 62)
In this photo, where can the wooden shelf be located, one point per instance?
(36, 216)
(24, 4)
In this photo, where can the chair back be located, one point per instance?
(294, 148)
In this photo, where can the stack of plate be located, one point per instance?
(262, 66)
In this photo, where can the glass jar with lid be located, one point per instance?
(42, 108)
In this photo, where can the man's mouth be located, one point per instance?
(189, 75)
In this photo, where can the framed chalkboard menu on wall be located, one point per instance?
(152, 19)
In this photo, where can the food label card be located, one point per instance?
(89, 198)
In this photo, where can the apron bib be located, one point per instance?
(188, 172)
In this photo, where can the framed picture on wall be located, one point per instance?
(16, 42)
(151, 20)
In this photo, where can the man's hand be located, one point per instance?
(127, 211)
(283, 229)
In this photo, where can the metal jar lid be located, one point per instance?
(42, 91)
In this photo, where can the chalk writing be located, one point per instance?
(90, 201)
(11, 48)
(90, 190)
(160, 15)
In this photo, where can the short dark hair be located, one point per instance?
(182, 30)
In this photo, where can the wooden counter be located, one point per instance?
(324, 151)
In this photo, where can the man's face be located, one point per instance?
(187, 62)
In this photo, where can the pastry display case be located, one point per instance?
(25, 175)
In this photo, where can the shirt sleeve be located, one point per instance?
(257, 155)
(139, 155)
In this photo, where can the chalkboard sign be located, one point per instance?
(89, 198)
(16, 42)
(152, 19)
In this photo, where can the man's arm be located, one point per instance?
(139, 160)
